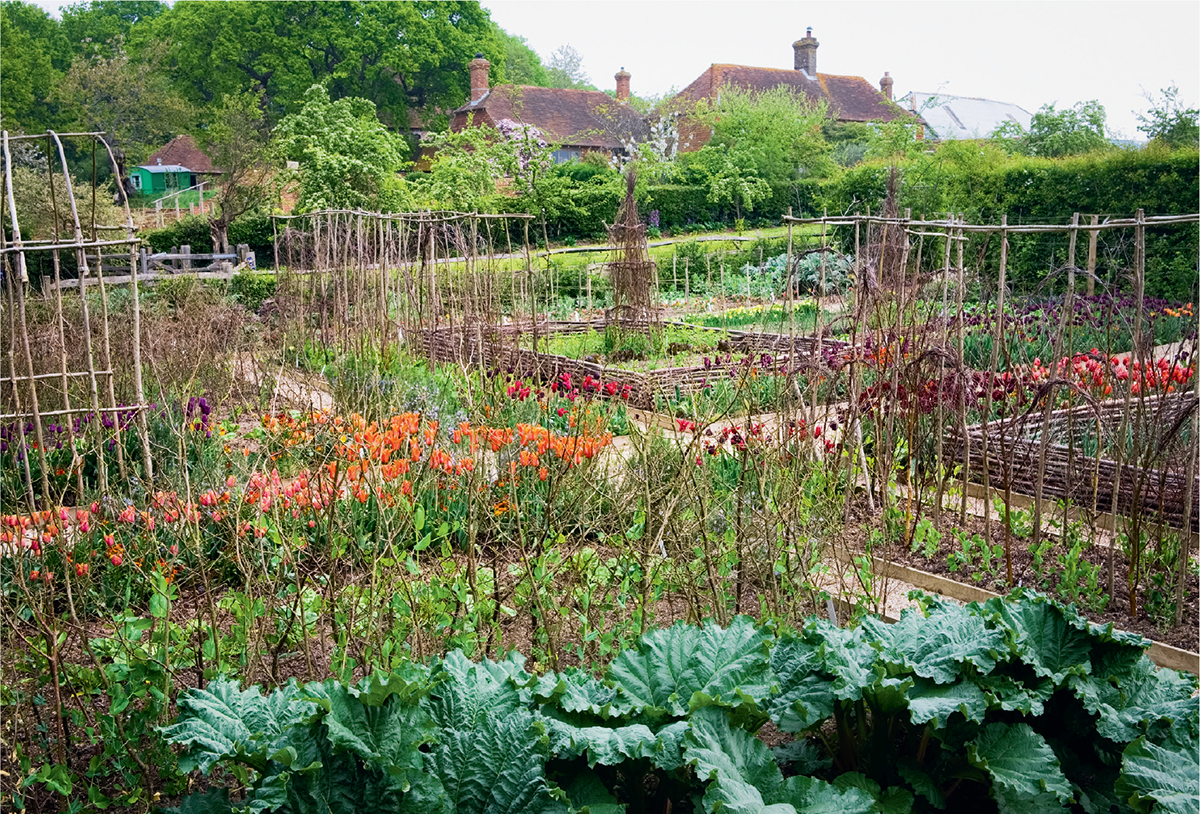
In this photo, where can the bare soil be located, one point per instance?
(1159, 626)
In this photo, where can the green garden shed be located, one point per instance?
(178, 165)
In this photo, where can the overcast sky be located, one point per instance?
(1027, 53)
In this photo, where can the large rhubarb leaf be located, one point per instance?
(1047, 639)
(722, 752)
(577, 692)
(811, 795)
(496, 767)
(849, 656)
(726, 667)
(605, 745)
(938, 645)
(224, 721)
(1162, 778)
(472, 691)
(1024, 769)
(1129, 701)
(805, 695)
(929, 701)
(386, 736)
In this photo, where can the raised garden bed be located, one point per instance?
(1079, 470)
(502, 347)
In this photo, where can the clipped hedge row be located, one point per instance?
(1016, 705)
(983, 183)
(254, 230)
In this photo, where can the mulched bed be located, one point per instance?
(1185, 635)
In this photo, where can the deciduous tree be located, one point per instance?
(400, 55)
(348, 159)
(238, 143)
(1054, 133)
(34, 55)
(1168, 121)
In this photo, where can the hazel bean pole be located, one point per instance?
(62, 339)
(19, 293)
(941, 416)
(1055, 360)
(1139, 260)
(107, 335)
(1185, 538)
(992, 364)
(963, 380)
(820, 321)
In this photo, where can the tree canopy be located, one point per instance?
(1054, 133)
(348, 159)
(1169, 122)
(35, 54)
(402, 56)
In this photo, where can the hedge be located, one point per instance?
(985, 184)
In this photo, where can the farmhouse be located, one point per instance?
(963, 117)
(178, 165)
(850, 98)
(576, 121)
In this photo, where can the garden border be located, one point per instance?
(1164, 655)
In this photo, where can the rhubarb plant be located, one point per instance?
(1016, 704)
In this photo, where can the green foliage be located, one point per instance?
(102, 26)
(983, 183)
(127, 97)
(348, 159)
(401, 56)
(917, 715)
(35, 54)
(759, 141)
(1169, 122)
(1055, 133)
(238, 142)
(251, 288)
(564, 69)
(522, 65)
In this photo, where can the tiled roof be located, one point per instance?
(850, 98)
(182, 150)
(575, 118)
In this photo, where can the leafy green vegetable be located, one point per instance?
(1017, 699)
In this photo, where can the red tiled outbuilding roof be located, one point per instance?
(182, 151)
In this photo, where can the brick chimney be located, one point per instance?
(622, 77)
(479, 77)
(885, 85)
(806, 54)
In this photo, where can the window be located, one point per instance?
(136, 178)
(565, 155)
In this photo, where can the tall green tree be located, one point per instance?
(348, 159)
(1169, 122)
(522, 65)
(34, 55)
(238, 142)
(1054, 133)
(129, 100)
(565, 69)
(760, 140)
(102, 27)
(403, 56)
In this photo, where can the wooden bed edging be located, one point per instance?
(1164, 655)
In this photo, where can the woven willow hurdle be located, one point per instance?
(500, 347)
(1086, 478)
